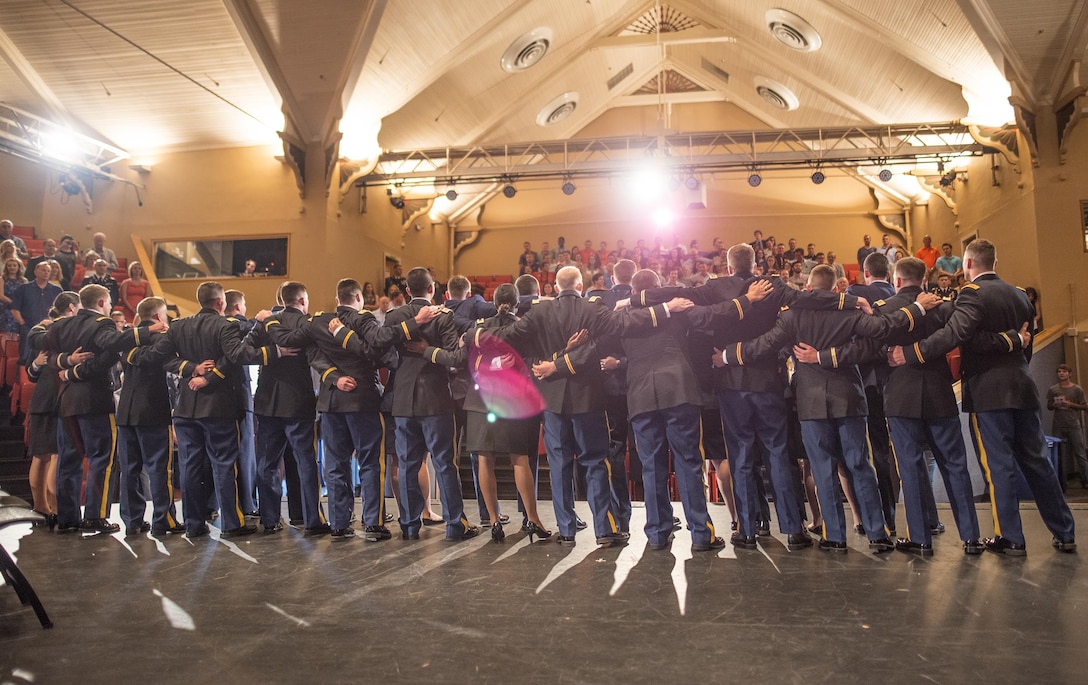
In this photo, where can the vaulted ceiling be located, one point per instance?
(162, 75)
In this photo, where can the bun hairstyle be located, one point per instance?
(63, 302)
(506, 298)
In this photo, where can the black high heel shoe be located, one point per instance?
(51, 521)
(497, 533)
(533, 529)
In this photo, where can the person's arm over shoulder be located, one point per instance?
(765, 346)
(962, 324)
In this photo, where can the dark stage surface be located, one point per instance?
(284, 608)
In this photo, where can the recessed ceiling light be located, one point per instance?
(558, 109)
(792, 31)
(527, 50)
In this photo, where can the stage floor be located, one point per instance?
(284, 608)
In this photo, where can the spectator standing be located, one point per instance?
(6, 233)
(949, 264)
(31, 304)
(103, 251)
(370, 296)
(67, 257)
(101, 276)
(944, 288)
(840, 272)
(1033, 297)
(395, 278)
(133, 289)
(1066, 399)
(528, 258)
(13, 278)
(865, 250)
(49, 251)
(888, 249)
(83, 268)
(928, 254)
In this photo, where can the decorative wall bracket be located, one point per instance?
(947, 193)
(1025, 121)
(413, 209)
(461, 240)
(1067, 112)
(1004, 139)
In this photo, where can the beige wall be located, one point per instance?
(22, 187)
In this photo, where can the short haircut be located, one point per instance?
(910, 270)
(822, 277)
(91, 295)
(458, 287)
(982, 251)
(419, 281)
(741, 258)
(1065, 367)
(149, 305)
(292, 292)
(207, 293)
(233, 298)
(644, 280)
(624, 270)
(877, 265)
(347, 289)
(527, 285)
(568, 277)
(948, 245)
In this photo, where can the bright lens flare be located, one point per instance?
(503, 381)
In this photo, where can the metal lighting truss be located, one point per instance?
(681, 154)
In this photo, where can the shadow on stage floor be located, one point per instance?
(285, 608)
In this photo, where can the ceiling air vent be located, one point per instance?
(527, 50)
(792, 31)
(661, 19)
(777, 94)
(716, 70)
(558, 109)
(620, 75)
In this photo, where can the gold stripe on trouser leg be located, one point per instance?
(823, 517)
(317, 473)
(895, 456)
(982, 457)
(237, 493)
(702, 477)
(105, 504)
(608, 470)
(381, 474)
(170, 520)
(876, 476)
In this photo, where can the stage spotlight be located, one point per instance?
(397, 201)
(818, 177)
(451, 194)
(568, 188)
(664, 217)
(885, 175)
(754, 180)
(691, 183)
(509, 190)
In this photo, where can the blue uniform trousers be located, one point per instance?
(202, 442)
(93, 436)
(655, 432)
(1004, 440)
(827, 440)
(747, 416)
(274, 434)
(146, 448)
(247, 466)
(910, 437)
(587, 436)
(69, 477)
(618, 429)
(363, 433)
(417, 435)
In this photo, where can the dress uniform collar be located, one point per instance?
(985, 276)
(420, 300)
(570, 293)
(208, 310)
(913, 290)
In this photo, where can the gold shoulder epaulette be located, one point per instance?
(785, 307)
(595, 298)
(103, 318)
(536, 301)
(880, 303)
(972, 286)
(232, 319)
(1021, 289)
(317, 315)
(713, 276)
(445, 310)
(480, 320)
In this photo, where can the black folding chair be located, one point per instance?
(16, 510)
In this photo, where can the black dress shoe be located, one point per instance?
(68, 528)
(144, 527)
(341, 534)
(376, 533)
(881, 545)
(742, 541)
(197, 532)
(98, 526)
(732, 525)
(937, 528)
(859, 529)
(658, 546)
(973, 547)
(676, 523)
(579, 523)
(296, 522)
(255, 514)
(911, 547)
(274, 529)
(1064, 545)
(176, 529)
(240, 531)
(797, 541)
(1000, 545)
(617, 539)
(713, 545)
(408, 534)
(388, 518)
(212, 516)
(315, 531)
(832, 546)
(565, 540)
(433, 522)
(763, 529)
(472, 532)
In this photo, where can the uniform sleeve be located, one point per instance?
(256, 348)
(818, 300)
(962, 324)
(765, 346)
(364, 328)
(581, 360)
(287, 336)
(857, 351)
(988, 342)
(702, 295)
(606, 322)
(328, 372)
(729, 312)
